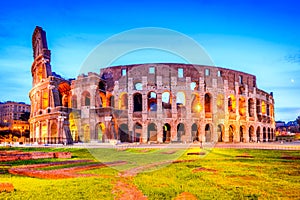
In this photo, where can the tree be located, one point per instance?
(298, 120)
(25, 116)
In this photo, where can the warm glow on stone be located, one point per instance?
(263, 107)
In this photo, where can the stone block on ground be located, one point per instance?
(6, 187)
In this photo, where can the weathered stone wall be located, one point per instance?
(212, 87)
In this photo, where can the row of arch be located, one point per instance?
(196, 106)
(235, 134)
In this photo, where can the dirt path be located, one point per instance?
(126, 190)
(71, 172)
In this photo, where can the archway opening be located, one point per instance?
(208, 133)
(258, 134)
(220, 132)
(196, 105)
(208, 103)
(137, 102)
(251, 134)
(166, 100)
(242, 132)
(152, 101)
(264, 135)
(166, 132)
(102, 100)
(251, 107)
(242, 107)
(231, 133)
(180, 131)
(231, 104)
(123, 133)
(152, 132)
(180, 100)
(138, 131)
(195, 134)
(86, 99)
(100, 128)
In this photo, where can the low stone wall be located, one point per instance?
(6, 156)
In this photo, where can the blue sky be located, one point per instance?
(257, 37)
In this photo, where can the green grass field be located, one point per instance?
(220, 174)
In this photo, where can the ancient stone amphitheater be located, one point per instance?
(157, 102)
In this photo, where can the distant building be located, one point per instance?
(280, 124)
(13, 116)
(157, 102)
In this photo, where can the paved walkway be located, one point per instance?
(266, 145)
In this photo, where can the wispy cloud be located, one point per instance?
(293, 57)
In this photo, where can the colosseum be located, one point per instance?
(144, 103)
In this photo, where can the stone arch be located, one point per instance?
(195, 134)
(208, 133)
(264, 134)
(251, 134)
(137, 102)
(231, 103)
(45, 99)
(231, 132)
(180, 99)
(138, 85)
(263, 107)
(196, 104)
(85, 98)
(180, 131)
(103, 101)
(220, 132)
(242, 133)
(269, 134)
(152, 132)
(137, 132)
(242, 106)
(208, 102)
(258, 134)
(100, 132)
(123, 133)
(166, 132)
(251, 107)
(123, 101)
(166, 100)
(152, 101)
(258, 107)
(194, 85)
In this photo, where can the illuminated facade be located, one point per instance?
(150, 103)
(11, 116)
